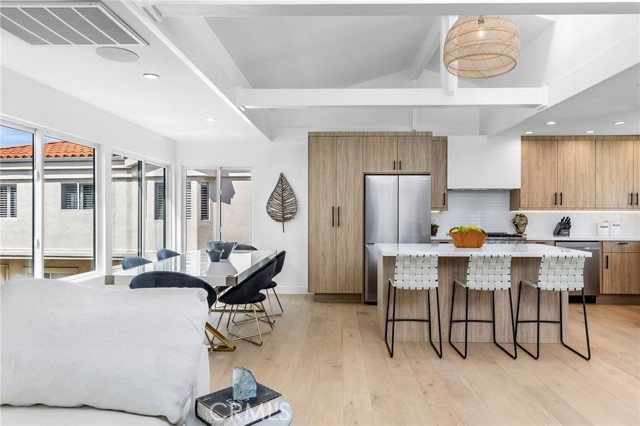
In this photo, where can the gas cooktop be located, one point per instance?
(502, 235)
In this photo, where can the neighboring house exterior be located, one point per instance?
(69, 209)
(70, 202)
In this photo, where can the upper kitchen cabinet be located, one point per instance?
(557, 173)
(335, 214)
(397, 152)
(618, 172)
(438, 169)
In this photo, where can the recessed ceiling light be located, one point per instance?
(550, 123)
(617, 123)
(528, 132)
(151, 76)
(211, 119)
(590, 131)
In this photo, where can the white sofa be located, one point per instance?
(76, 355)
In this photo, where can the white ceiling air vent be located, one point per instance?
(66, 24)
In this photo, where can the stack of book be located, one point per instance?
(220, 409)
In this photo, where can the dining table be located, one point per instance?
(224, 273)
(221, 275)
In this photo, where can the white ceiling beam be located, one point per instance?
(449, 81)
(428, 48)
(526, 97)
(233, 8)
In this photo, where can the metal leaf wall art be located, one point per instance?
(282, 205)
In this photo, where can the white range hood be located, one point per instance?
(479, 162)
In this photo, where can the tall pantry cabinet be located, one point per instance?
(335, 214)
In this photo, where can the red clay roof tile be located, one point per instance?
(61, 149)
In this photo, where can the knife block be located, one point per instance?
(560, 231)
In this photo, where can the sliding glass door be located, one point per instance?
(217, 206)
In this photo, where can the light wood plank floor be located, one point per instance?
(331, 365)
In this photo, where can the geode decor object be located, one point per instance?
(244, 384)
(520, 221)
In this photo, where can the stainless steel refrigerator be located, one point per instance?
(397, 210)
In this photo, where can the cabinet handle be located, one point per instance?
(622, 244)
(444, 198)
(555, 198)
(606, 262)
(394, 164)
(400, 165)
(338, 216)
(631, 199)
(637, 201)
(561, 198)
(333, 215)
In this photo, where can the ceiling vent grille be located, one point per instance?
(62, 24)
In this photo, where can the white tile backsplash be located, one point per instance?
(490, 211)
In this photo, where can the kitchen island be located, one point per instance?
(452, 264)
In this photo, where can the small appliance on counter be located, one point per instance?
(563, 227)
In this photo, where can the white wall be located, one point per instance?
(267, 161)
(35, 105)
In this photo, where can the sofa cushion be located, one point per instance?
(68, 345)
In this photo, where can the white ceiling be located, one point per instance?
(207, 52)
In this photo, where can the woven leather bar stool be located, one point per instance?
(413, 273)
(484, 273)
(556, 274)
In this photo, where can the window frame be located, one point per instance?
(11, 200)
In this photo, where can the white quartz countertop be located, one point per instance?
(449, 250)
(540, 237)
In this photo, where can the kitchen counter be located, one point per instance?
(546, 237)
(452, 265)
(449, 250)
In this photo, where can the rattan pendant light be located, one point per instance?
(481, 46)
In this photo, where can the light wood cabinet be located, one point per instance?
(397, 152)
(413, 154)
(558, 172)
(335, 214)
(636, 174)
(438, 169)
(621, 268)
(615, 160)
(381, 154)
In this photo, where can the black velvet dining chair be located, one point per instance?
(272, 285)
(244, 247)
(169, 279)
(164, 253)
(133, 261)
(247, 293)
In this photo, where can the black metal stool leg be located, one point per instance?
(586, 329)
(466, 321)
(439, 328)
(430, 322)
(386, 323)
(493, 320)
(537, 321)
